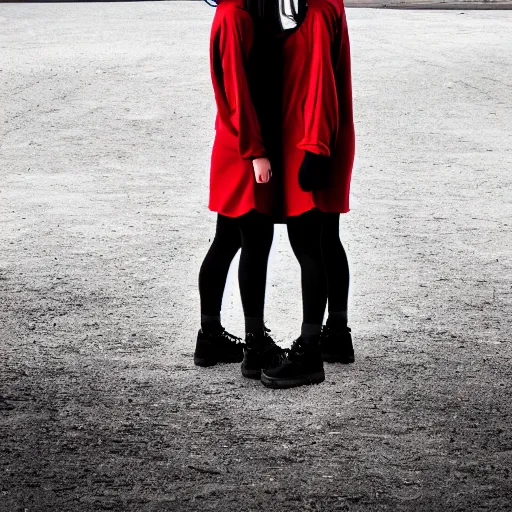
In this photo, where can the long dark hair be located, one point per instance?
(277, 16)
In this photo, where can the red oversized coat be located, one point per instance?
(317, 107)
(238, 138)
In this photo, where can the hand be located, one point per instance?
(314, 172)
(262, 170)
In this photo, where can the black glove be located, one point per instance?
(314, 172)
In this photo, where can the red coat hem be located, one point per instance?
(238, 213)
(295, 213)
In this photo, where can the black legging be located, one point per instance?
(253, 232)
(215, 267)
(336, 263)
(315, 240)
(305, 234)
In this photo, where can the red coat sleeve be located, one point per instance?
(344, 79)
(321, 103)
(232, 39)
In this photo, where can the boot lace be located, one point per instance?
(231, 338)
(296, 350)
(273, 352)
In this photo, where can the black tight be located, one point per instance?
(315, 240)
(336, 263)
(253, 232)
(305, 234)
(215, 267)
(257, 232)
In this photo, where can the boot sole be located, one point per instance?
(251, 374)
(302, 380)
(205, 362)
(331, 358)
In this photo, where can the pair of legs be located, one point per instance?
(314, 237)
(315, 241)
(253, 233)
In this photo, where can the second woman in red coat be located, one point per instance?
(318, 153)
(241, 190)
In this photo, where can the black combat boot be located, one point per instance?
(260, 352)
(336, 345)
(217, 347)
(302, 364)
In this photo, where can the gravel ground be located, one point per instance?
(105, 132)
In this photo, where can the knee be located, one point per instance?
(257, 246)
(267, 237)
(309, 255)
(226, 244)
(331, 243)
(257, 235)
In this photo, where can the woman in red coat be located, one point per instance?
(318, 153)
(241, 190)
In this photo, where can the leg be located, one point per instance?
(337, 270)
(336, 340)
(305, 232)
(303, 363)
(215, 345)
(214, 270)
(257, 232)
(260, 349)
